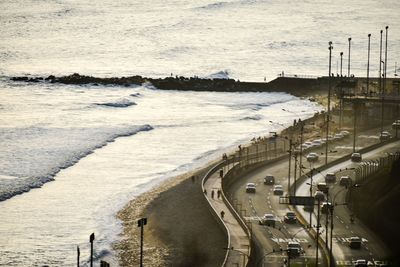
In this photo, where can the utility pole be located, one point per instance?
(91, 239)
(290, 161)
(369, 46)
(380, 80)
(141, 223)
(341, 92)
(329, 102)
(311, 184)
(348, 67)
(295, 172)
(317, 241)
(301, 147)
(78, 255)
(355, 125)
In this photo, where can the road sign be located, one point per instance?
(297, 200)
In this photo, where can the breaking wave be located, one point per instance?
(254, 118)
(40, 162)
(122, 103)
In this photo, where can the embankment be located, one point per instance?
(293, 85)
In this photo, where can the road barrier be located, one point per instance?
(368, 168)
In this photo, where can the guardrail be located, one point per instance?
(368, 168)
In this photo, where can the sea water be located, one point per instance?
(72, 156)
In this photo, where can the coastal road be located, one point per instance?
(372, 248)
(254, 205)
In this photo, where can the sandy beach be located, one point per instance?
(179, 220)
(179, 223)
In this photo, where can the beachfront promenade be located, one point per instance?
(238, 245)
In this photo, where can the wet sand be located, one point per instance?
(179, 225)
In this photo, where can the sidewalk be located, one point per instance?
(239, 242)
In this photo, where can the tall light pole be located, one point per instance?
(141, 223)
(341, 93)
(369, 46)
(329, 103)
(290, 162)
(348, 66)
(380, 80)
(380, 65)
(317, 243)
(91, 239)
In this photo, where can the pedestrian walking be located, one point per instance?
(205, 192)
(212, 194)
(193, 178)
(221, 173)
(219, 193)
(222, 214)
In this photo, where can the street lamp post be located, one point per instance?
(348, 66)
(329, 103)
(301, 149)
(290, 161)
(317, 243)
(369, 45)
(141, 223)
(91, 239)
(341, 92)
(355, 125)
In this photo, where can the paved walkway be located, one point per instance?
(239, 241)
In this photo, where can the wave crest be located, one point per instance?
(58, 155)
(122, 103)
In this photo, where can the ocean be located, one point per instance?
(72, 156)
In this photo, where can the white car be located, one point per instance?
(312, 157)
(250, 188)
(338, 137)
(278, 190)
(385, 135)
(317, 143)
(345, 133)
(396, 124)
(268, 220)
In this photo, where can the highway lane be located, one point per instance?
(372, 247)
(253, 206)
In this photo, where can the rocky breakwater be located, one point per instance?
(294, 86)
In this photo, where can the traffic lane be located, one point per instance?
(273, 206)
(375, 245)
(263, 201)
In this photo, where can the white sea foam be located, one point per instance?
(46, 127)
(122, 103)
(48, 150)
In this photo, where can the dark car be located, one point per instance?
(325, 207)
(269, 179)
(345, 181)
(356, 157)
(355, 242)
(290, 217)
(330, 177)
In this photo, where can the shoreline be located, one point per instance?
(163, 240)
